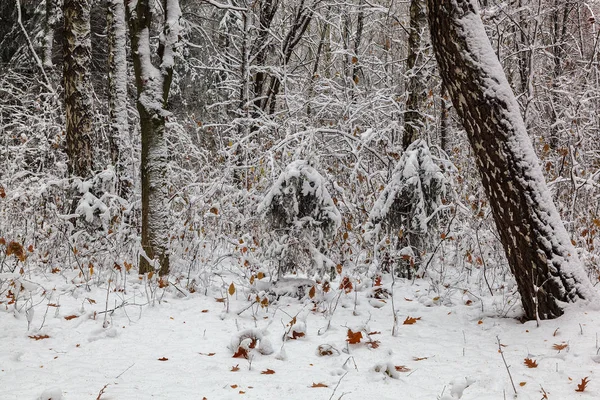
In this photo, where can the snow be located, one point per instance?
(450, 353)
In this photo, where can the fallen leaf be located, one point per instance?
(207, 354)
(530, 363)
(560, 347)
(354, 337)
(410, 320)
(582, 386)
(420, 358)
(268, 372)
(296, 335)
(373, 344)
(39, 337)
(402, 368)
(220, 299)
(311, 292)
(163, 359)
(319, 385)
(70, 317)
(231, 289)
(236, 368)
(522, 383)
(204, 311)
(241, 353)
(234, 386)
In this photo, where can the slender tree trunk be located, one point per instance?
(153, 86)
(117, 93)
(52, 20)
(537, 246)
(78, 87)
(414, 116)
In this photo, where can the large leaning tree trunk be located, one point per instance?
(153, 84)
(538, 249)
(117, 93)
(78, 87)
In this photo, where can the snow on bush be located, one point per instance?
(408, 209)
(303, 220)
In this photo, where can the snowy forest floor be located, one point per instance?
(166, 345)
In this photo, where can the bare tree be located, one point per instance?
(153, 85)
(78, 87)
(538, 249)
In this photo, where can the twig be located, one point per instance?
(128, 368)
(336, 386)
(102, 391)
(506, 365)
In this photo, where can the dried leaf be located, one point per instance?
(583, 385)
(204, 311)
(560, 347)
(420, 358)
(373, 344)
(346, 285)
(207, 354)
(39, 337)
(231, 290)
(214, 210)
(530, 363)
(402, 368)
(410, 320)
(2, 192)
(70, 317)
(522, 383)
(354, 337)
(236, 368)
(296, 335)
(220, 299)
(260, 275)
(163, 359)
(311, 292)
(241, 353)
(319, 385)
(267, 372)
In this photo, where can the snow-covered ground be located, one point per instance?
(182, 347)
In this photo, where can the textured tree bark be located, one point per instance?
(153, 86)
(52, 20)
(414, 116)
(78, 87)
(536, 244)
(117, 93)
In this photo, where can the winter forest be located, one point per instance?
(289, 199)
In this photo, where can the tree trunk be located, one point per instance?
(153, 86)
(414, 116)
(538, 249)
(78, 87)
(117, 93)
(52, 19)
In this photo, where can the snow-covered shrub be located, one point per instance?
(302, 219)
(408, 209)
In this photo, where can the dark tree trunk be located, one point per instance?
(78, 87)
(153, 86)
(536, 244)
(414, 116)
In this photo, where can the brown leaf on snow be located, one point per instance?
(402, 368)
(582, 386)
(560, 346)
(354, 337)
(207, 354)
(319, 385)
(236, 368)
(420, 358)
(296, 335)
(163, 359)
(241, 353)
(411, 320)
(267, 372)
(530, 363)
(70, 317)
(39, 337)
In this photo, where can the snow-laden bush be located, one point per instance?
(302, 219)
(408, 209)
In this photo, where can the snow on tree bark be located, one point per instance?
(537, 246)
(153, 86)
(78, 87)
(52, 20)
(414, 116)
(117, 91)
